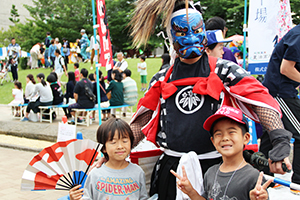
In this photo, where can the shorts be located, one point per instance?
(143, 78)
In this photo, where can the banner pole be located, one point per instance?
(97, 60)
(244, 32)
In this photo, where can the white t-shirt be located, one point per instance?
(18, 94)
(143, 71)
(29, 90)
(44, 92)
(92, 43)
(58, 66)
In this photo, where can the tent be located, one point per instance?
(3, 53)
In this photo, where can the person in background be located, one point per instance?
(104, 103)
(84, 43)
(82, 100)
(165, 59)
(29, 89)
(130, 90)
(116, 89)
(282, 79)
(215, 43)
(17, 93)
(91, 78)
(51, 54)
(217, 23)
(66, 51)
(69, 95)
(47, 45)
(59, 65)
(57, 43)
(235, 52)
(13, 64)
(143, 73)
(95, 47)
(122, 64)
(14, 49)
(35, 54)
(43, 90)
(77, 72)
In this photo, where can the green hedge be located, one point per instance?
(23, 62)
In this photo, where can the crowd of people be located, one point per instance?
(120, 90)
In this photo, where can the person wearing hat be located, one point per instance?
(236, 52)
(229, 132)
(84, 43)
(215, 43)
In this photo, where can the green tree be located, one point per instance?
(14, 14)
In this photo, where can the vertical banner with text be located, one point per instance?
(262, 33)
(106, 51)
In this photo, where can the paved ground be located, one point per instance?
(36, 136)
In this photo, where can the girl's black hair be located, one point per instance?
(55, 75)
(31, 78)
(71, 76)
(108, 129)
(101, 78)
(118, 75)
(18, 84)
(91, 77)
(42, 77)
(51, 78)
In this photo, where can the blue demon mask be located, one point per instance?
(188, 38)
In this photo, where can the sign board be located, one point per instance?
(66, 132)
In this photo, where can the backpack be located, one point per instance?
(89, 93)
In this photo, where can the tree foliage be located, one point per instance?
(14, 14)
(65, 18)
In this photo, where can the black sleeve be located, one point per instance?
(292, 48)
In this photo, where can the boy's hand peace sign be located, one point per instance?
(260, 191)
(185, 186)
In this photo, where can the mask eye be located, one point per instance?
(199, 30)
(180, 34)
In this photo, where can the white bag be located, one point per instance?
(33, 116)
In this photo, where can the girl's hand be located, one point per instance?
(260, 191)
(76, 193)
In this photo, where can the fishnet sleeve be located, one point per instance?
(269, 119)
(137, 125)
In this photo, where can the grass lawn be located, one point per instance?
(153, 64)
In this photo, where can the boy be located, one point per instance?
(117, 178)
(143, 73)
(76, 72)
(215, 43)
(234, 178)
(59, 65)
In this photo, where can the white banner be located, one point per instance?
(262, 33)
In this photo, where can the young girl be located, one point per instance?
(17, 93)
(77, 72)
(29, 90)
(117, 178)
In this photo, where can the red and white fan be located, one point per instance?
(60, 166)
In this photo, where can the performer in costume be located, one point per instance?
(180, 99)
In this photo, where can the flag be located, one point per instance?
(106, 51)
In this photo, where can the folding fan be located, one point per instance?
(60, 166)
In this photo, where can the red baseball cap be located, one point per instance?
(226, 111)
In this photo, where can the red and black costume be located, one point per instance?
(182, 97)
